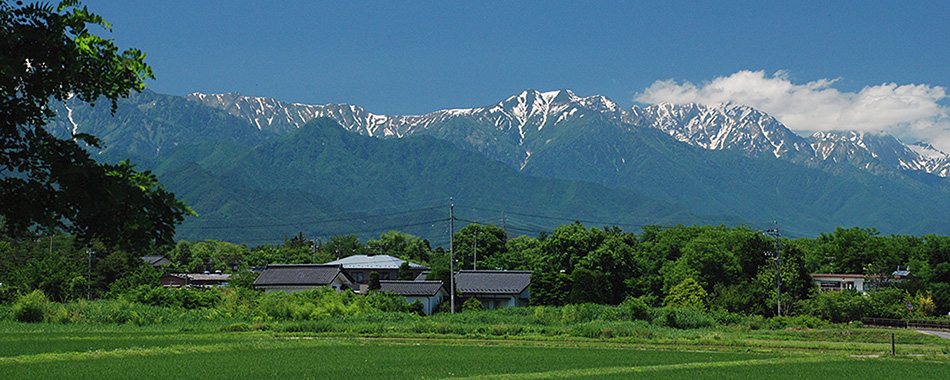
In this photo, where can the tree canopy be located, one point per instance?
(47, 54)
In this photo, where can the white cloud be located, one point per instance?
(911, 112)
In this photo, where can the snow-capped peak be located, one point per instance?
(927, 150)
(727, 126)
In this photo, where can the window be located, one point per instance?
(359, 277)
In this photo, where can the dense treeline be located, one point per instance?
(716, 269)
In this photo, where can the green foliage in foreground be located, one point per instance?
(377, 314)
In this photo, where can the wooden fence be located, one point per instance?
(907, 323)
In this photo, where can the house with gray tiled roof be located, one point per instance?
(299, 277)
(156, 260)
(360, 266)
(495, 289)
(429, 293)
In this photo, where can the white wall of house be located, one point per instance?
(833, 283)
(428, 303)
(497, 301)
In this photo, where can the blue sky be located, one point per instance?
(417, 57)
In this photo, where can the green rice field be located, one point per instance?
(76, 353)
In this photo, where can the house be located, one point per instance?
(156, 260)
(828, 282)
(290, 278)
(429, 293)
(360, 266)
(495, 289)
(194, 280)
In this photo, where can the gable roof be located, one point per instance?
(156, 260)
(493, 281)
(300, 275)
(373, 262)
(411, 288)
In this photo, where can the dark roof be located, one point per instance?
(492, 281)
(422, 276)
(156, 260)
(202, 276)
(410, 288)
(299, 275)
(374, 262)
(837, 275)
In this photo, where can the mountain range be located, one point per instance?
(520, 119)
(256, 168)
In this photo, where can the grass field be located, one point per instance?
(121, 352)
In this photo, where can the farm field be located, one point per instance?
(69, 352)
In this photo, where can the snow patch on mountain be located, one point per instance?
(728, 126)
(522, 118)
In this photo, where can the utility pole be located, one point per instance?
(777, 252)
(503, 224)
(452, 253)
(89, 276)
(475, 252)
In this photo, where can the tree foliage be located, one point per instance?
(687, 293)
(52, 182)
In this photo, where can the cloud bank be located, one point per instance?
(910, 112)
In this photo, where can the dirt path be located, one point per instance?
(942, 334)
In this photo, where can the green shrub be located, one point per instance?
(886, 303)
(836, 307)
(681, 318)
(635, 308)
(546, 315)
(755, 322)
(726, 317)
(688, 293)
(580, 313)
(473, 304)
(31, 307)
(782, 322)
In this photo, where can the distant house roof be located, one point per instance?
(492, 281)
(195, 279)
(374, 262)
(156, 260)
(203, 276)
(411, 288)
(299, 275)
(836, 275)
